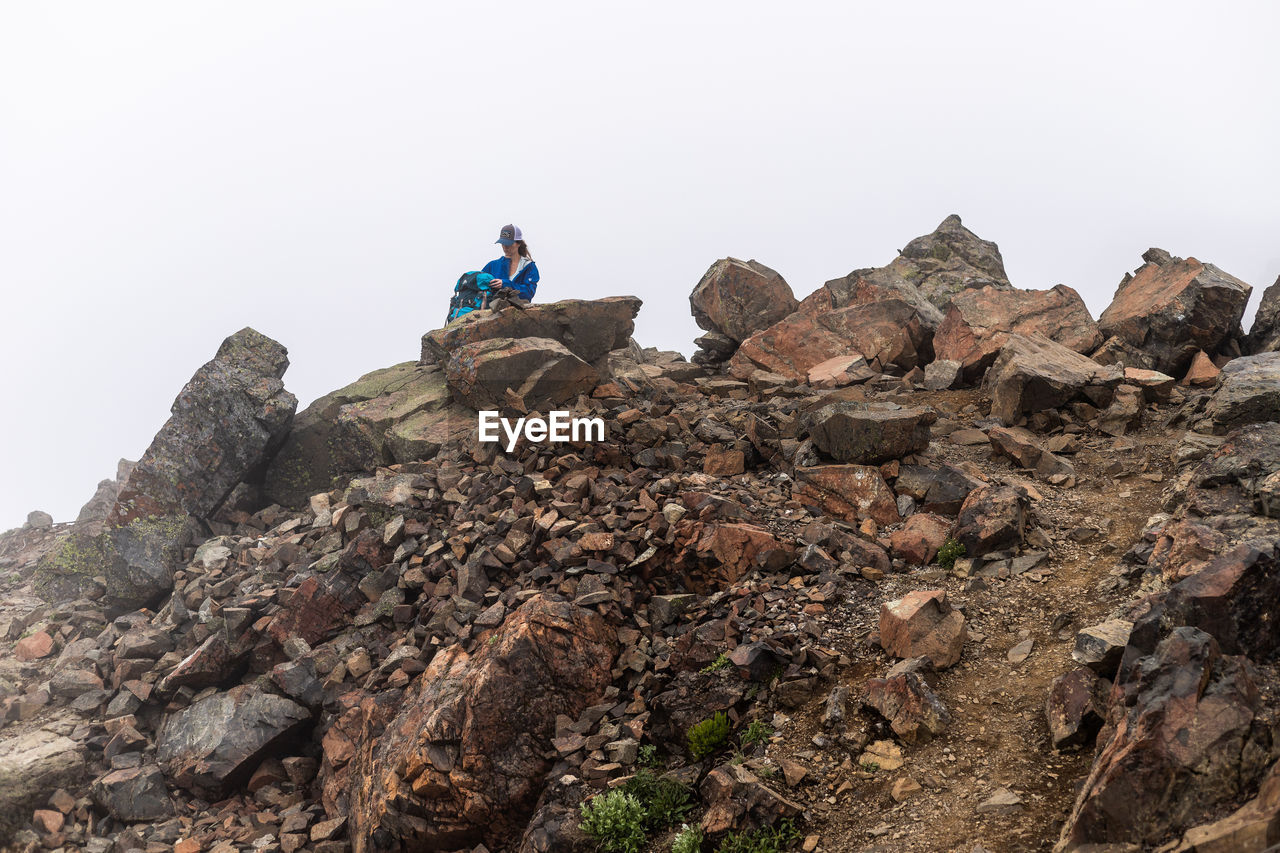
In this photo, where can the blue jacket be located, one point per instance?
(525, 282)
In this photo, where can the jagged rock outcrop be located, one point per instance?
(589, 328)
(979, 321)
(226, 424)
(865, 434)
(98, 507)
(1264, 335)
(736, 298)
(33, 766)
(538, 372)
(1171, 307)
(1248, 393)
(463, 761)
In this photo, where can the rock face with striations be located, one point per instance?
(33, 766)
(979, 322)
(1171, 307)
(1248, 393)
(541, 372)
(589, 328)
(402, 413)
(737, 298)
(464, 759)
(226, 424)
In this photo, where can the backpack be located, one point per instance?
(471, 293)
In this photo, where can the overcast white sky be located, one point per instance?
(323, 171)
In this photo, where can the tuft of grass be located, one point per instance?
(758, 731)
(950, 551)
(870, 766)
(708, 736)
(770, 839)
(687, 840)
(615, 821)
(721, 662)
(665, 801)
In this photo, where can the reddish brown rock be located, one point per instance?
(920, 538)
(723, 462)
(1181, 740)
(840, 371)
(887, 333)
(464, 760)
(38, 645)
(1028, 451)
(923, 624)
(738, 548)
(1171, 307)
(1202, 371)
(1253, 826)
(979, 321)
(850, 492)
(734, 794)
(737, 298)
(541, 372)
(992, 517)
(1034, 373)
(914, 712)
(1184, 548)
(1075, 707)
(590, 328)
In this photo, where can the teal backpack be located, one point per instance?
(472, 293)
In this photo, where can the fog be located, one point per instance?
(323, 172)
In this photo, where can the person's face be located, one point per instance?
(510, 251)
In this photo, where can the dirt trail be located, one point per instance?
(998, 737)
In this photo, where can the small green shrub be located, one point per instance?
(687, 840)
(950, 551)
(721, 662)
(647, 756)
(870, 766)
(665, 801)
(706, 737)
(615, 821)
(758, 731)
(771, 839)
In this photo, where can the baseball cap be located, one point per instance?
(509, 235)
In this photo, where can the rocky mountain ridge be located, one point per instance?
(359, 628)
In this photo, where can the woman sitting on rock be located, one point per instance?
(515, 268)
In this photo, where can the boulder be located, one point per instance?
(137, 560)
(1033, 373)
(840, 371)
(1075, 707)
(736, 549)
(1099, 647)
(402, 413)
(1253, 826)
(868, 433)
(589, 328)
(134, 794)
(980, 320)
(32, 766)
(1202, 372)
(38, 520)
(920, 538)
(914, 712)
(1181, 741)
(992, 517)
(1249, 392)
(541, 372)
(1171, 307)
(923, 624)
(1124, 412)
(1264, 335)
(226, 424)
(888, 333)
(942, 374)
(737, 298)
(212, 746)
(849, 492)
(463, 761)
(1028, 451)
(938, 489)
